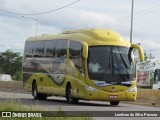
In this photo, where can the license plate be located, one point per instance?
(113, 96)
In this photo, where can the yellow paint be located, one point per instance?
(79, 82)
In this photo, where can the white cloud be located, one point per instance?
(74, 19)
(150, 45)
(91, 13)
(33, 6)
(14, 28)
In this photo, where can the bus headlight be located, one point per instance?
(89, 88)
(134, 89)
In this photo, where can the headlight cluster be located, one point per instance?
(89, 88)
(134, 89)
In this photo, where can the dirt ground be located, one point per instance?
(12, 86)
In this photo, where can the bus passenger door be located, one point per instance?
(76, 62)
(81, 85)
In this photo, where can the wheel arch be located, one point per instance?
(33, 82)
(67, 85)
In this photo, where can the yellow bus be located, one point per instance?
(86, 64)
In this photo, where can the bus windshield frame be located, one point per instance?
(112, 64)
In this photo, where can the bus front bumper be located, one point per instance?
(111, 96)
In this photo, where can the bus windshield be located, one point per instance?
(112, 64)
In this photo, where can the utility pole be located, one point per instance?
(131, 31)
(35, 21)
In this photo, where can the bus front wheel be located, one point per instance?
(36, 95)
(69, 97)
(114, 102)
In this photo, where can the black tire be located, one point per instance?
(114, 102)
(69, 97)
(36, 95)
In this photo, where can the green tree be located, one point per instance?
(148, 63)
(11, 63)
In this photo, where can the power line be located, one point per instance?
(41, 12)
(142, 13)
(152, 50)
(138, 15)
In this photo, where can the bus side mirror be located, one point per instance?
(85, 50)
(140, 51)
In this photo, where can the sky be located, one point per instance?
(108, 14)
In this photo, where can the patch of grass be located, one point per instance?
(15, 106)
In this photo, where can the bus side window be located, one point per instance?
(39, 49)
(50, 48)
(75, 52)
(29, 49)
(61, 48)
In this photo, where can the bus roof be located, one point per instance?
(90, 36)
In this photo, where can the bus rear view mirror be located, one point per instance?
(85, 50)
(140, 51)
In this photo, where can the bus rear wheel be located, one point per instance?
(69, 97)
(36, 95)
(114, 102)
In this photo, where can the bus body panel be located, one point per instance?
(52, 75)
